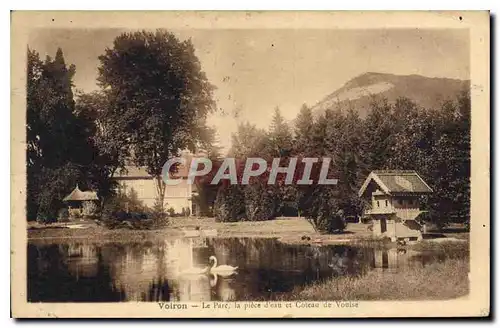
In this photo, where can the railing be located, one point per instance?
(408, 213)
(403, 213)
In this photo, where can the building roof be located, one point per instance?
(78, 195)
(135, 172)
(396, 182)
(132, 172)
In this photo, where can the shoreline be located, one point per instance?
(286, 230)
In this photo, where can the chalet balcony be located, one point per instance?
(409, 213)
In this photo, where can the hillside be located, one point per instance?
(359, 92)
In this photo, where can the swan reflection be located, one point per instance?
(221, 286)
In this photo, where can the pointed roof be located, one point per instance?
(396, 182)
(78, 195)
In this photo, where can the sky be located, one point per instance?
(255, 71)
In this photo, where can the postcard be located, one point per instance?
(171, 164)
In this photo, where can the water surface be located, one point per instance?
(112, 272)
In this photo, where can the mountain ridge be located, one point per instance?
(360, 91)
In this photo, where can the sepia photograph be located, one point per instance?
(250, 164)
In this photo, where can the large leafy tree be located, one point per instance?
(57, 151)
(206, 192)
(107, 139)
(248, 141)
(160, 94)
(451, 170)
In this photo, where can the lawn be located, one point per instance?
(441, 280)
(445, 278)
(289, 230)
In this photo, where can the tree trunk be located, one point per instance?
(160, 191)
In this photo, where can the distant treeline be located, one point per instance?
(400, 135)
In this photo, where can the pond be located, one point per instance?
(114, 272)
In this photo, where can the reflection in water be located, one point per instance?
(394, 258)
(167, 271)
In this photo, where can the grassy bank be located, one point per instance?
(288, 230)
(444, 249)
(437, 281)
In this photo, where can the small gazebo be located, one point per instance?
(76, 199)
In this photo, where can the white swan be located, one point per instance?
(221, 270)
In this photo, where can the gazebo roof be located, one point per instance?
(78, 195)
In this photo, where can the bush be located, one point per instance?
(74, 213)
(89, 208)
(158, 214)
(44, 218)
(229, 204)
(260, 202)
(125, 202)
(330, 222)
(171, 211)
(322, 209)
(128, 212)
(63, 215)
(131, 220)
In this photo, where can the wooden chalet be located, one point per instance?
(393, 203)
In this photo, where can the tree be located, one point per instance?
(57, 152)
(207, 192)
(304, 124)
(313, 143)
(348, 164)
(378, 139)
(321, 208)
(108, 140)
(410, 131)
(450, 200)
(248, 141)
(230, 203)
(163, 97)
(279, 145)
(260, 200)
(280, 136)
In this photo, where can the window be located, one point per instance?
(386, 203)
(378, 203)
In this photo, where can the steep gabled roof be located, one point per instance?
(396, 182)
(78, 195)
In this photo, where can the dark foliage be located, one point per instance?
(230, 204)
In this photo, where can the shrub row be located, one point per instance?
(253, 202)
